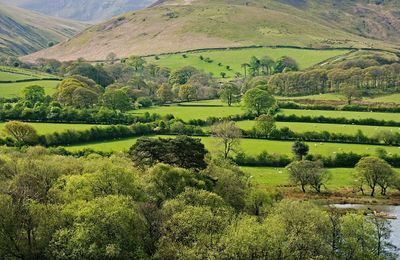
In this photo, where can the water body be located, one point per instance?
(391, 210)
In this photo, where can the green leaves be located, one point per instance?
(258, 101)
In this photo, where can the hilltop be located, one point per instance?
(23, 32)
(81, 10)
(179, 25)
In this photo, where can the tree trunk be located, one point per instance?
(303, 188)
(373, 191)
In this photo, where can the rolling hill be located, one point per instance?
(23, 32)
(179, 25)
(81, 10)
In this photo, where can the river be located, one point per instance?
(391, 210)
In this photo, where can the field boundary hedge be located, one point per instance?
(28, 80)
(355, 108)
(335, 120)
(339, 160)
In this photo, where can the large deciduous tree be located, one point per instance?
(34, 94)
(23, 133)
(350, 92)
(96, 73)
(375, 172)
(265, 125)
(187, 92)
(107, 227)
(258, 101)
(228, 135)
(306, 173)
(230, 93)
(165, 94)
(285, 63)
(79, 92)
(117, 100)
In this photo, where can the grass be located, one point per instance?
(251, 146)
(332, 128)
(11, 73)
(234, 58)
(393, 98)
(4, 75)
(48, 128)
(199, 111)
(215, 108)
(346, 114)
(327, 96)
(11, 90)
(341, 178)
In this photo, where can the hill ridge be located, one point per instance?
(23, 32)
(181, 25)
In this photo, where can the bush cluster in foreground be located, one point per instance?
(94, 207)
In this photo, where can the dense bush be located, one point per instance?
(98, 133)
(58, 114)
(95, 207)
(263, 159)
(338, 160)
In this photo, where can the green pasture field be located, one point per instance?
(251, 146)
(11, 90)
(10, 73)
(216, 108)
(234, 58)
(327, 96)
(199, 111)
(12, 76)
(345, 114)
(393, 98)
(48, 128)
(341, 178)
(332, 128)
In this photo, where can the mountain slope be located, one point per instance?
(23, 32)
(178, 25)
(81, 10)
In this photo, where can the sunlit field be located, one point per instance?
(332, 128)
(251, 146)
(234, 58)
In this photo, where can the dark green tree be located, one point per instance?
(34, 94)
(117, 100)
(300, 150)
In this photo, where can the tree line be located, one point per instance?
(369, 81)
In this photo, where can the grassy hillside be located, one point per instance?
(172, 26)
(14, 80)
(12, 90)
(15, 74)
(81, 10)
(234, 58)
(23, 32)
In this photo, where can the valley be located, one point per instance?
(199, 129)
